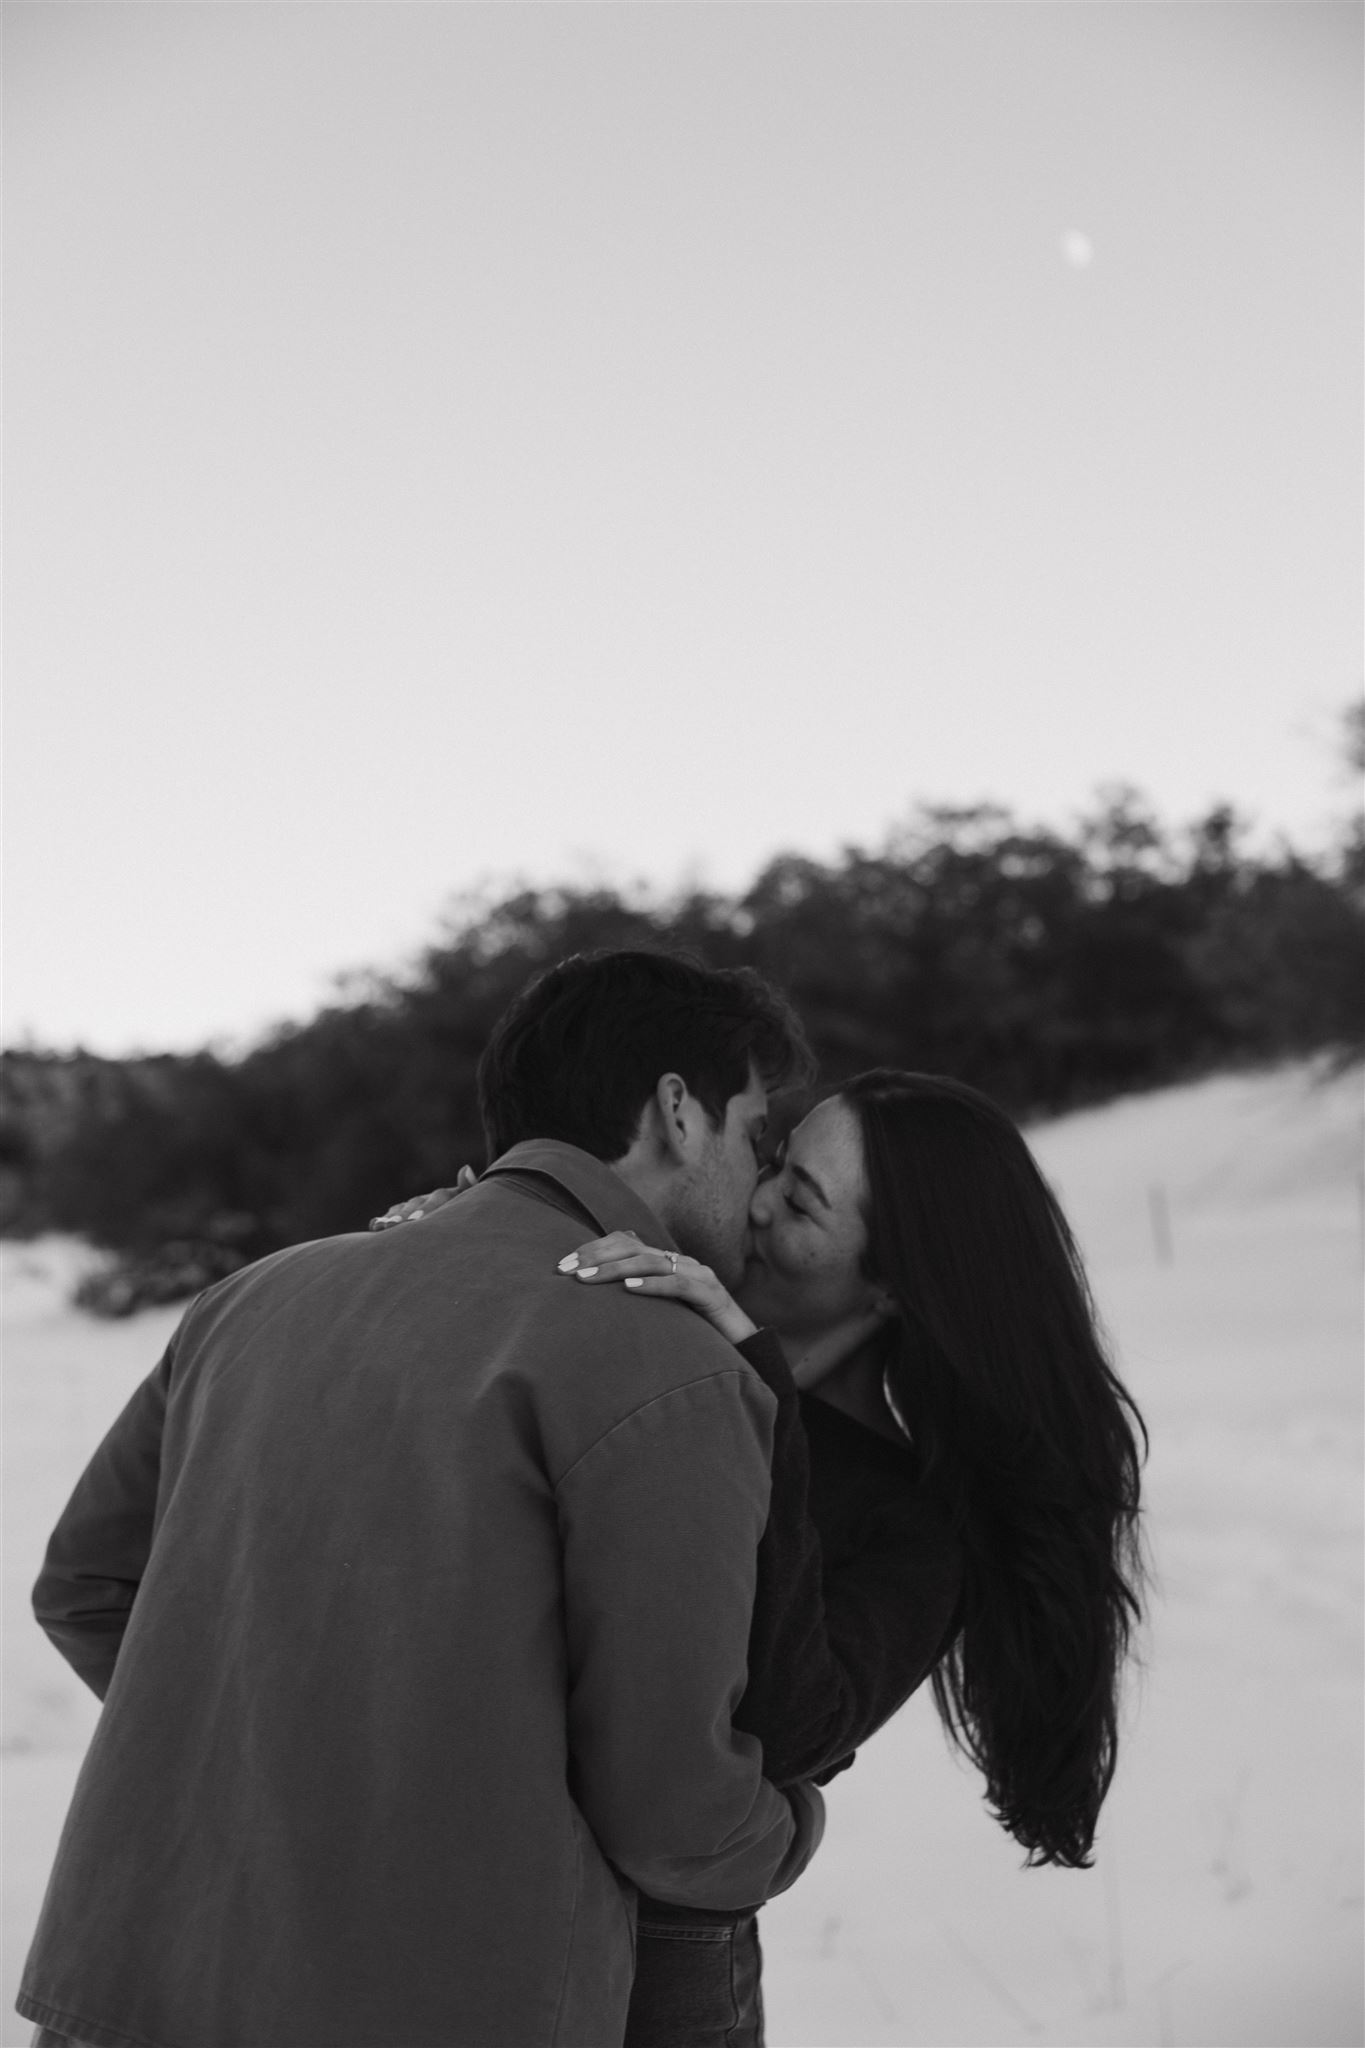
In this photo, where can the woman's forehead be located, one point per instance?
(830, 1137)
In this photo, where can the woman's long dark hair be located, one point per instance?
(1028, 1440)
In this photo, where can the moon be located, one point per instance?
(1077, 249)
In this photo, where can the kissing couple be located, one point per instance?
(479, 1603)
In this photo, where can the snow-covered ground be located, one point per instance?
(1223, 1226)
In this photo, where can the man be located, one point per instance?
(417, 1582)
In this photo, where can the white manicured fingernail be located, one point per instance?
(586, 1272)
(569, 1265)
(634, 1283)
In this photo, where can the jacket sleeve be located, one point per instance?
(98, 1550)
(660, 1523)
(835, 1651)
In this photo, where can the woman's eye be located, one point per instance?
(795, 1207)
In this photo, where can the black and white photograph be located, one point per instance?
(682, 1108)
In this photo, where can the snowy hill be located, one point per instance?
(1222, 1223)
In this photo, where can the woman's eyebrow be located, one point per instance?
(809, 1180)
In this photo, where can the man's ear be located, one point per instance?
(668, 1113)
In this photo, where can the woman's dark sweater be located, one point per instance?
(857, 1590)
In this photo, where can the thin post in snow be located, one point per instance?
(1160, 1211)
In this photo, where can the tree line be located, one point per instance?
(1053, 970)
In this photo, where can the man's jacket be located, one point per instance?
(417, 1581)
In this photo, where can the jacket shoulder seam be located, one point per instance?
(731, 1373)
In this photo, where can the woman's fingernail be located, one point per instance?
(569, 1265)
(634, 1283)
(585, 1272)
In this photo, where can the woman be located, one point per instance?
(955, 1486)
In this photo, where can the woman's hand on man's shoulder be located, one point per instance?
(418, 1206)
(622, 1258)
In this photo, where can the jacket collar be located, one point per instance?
(596, 1187)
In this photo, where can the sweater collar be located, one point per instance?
(596, 1187)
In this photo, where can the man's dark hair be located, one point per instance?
(579, 1052)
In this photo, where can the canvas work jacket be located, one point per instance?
(417, 1582)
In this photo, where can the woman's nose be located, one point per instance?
(760, 1205)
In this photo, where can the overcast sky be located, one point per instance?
(450, 442)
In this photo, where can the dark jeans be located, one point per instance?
(696, 1986)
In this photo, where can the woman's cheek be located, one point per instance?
(795, 1253)
(783, 1251)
